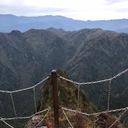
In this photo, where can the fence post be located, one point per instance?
(55, 98)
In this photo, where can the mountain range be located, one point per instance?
(10, 22)
(86, 55)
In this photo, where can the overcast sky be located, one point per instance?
(76, 9)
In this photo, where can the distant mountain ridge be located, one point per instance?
(10, 22)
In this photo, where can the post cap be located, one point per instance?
(54, 71)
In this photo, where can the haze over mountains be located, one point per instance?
(11, 22)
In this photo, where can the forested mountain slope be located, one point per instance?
(86, 55)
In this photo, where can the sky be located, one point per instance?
(76, 9)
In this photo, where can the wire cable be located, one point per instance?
(95, 82)
(24, 89)
(6, 123)
(67, 118)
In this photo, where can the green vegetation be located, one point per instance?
(68, 97)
